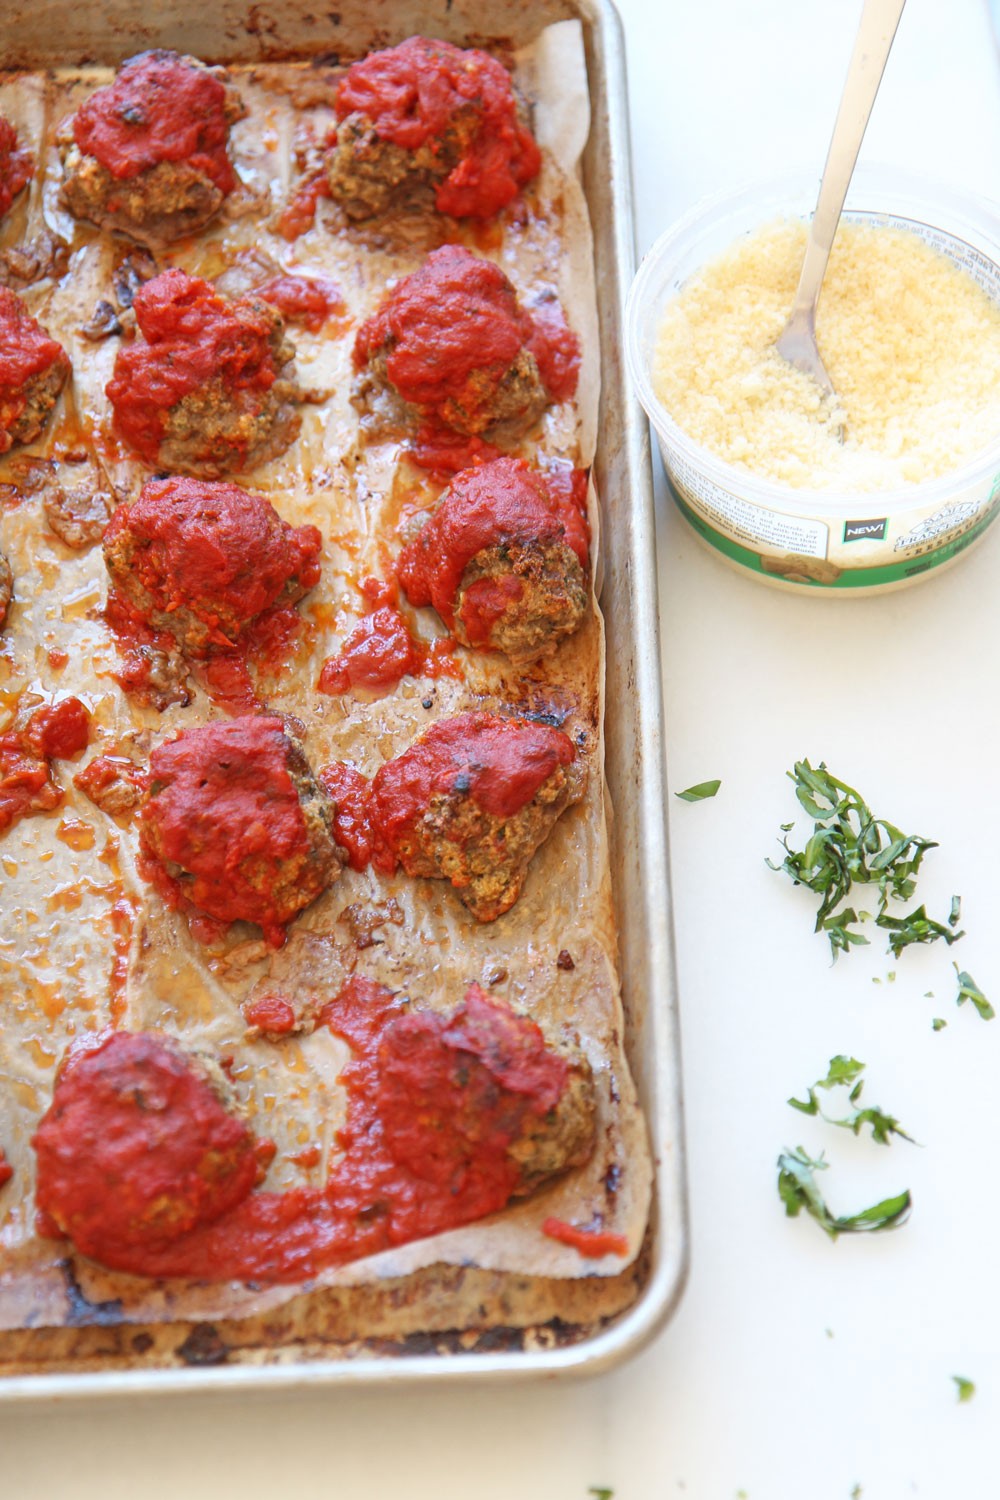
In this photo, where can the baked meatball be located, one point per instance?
(202, 560)
(33, 370)
(235, 824)
(210, 387)
(6, 589)
(140, 1145)
(452, 341)
(452, 1090)
(428, 123)
(503, 558)
(16, 166)
(470, 802)
(147, 155)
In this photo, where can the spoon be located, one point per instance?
(877, 28)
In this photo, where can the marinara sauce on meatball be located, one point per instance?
(141, 1145)
(503, 559)
(471, 801)
(33, 370)
(210, 387)
(16, 165)
(147, 155)
(235, 824)
(203, 559)
(454, 343)
(427, 122)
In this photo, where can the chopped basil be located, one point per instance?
(700, 792)
(797, 1189)
(938, 1023)
(915, 927)
(966, 1388)
(968, 989)
(850, 846)
(599, 1492)
(842, 1073)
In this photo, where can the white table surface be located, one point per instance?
(794, 1368)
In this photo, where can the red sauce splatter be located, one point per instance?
(300, 212)
(137, 1149)
(27, 785)
(25, 351)
(58, 659)
(419, 91)
(104, 772)
(556, 349)
(191, 336)
(307, 300)
(500, 763)
(352, 829)
(496, 502)
(16, 165)
(376, 654)
(270, 1013)
(434, 1102)
(444, 452)
(220, 552)
(159, 108)
(592, 1243)
(222, 806)
(6, 1170)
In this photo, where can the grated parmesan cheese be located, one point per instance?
(911, 344)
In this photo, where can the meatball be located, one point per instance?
(16, 166)
(210, 388)
(147, 155)
(471, 801)
(453, 1090)
(202, 560)
(503, 559)
(6, 589)
(33, 370)
(427, 122)
(140, 1145)
(452, 341)
(235, 823)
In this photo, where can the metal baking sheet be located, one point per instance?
(240, 33)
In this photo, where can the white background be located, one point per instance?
(794, 1368)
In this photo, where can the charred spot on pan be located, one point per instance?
(203, 1346)
(565, 960)
(82, 1312)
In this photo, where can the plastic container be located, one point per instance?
(812, 540)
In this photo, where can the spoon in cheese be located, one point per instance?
(877, 28)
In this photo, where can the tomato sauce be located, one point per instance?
(503, 501)
(223, 807)
(159, 108)
(16, 165)
(592, 1243)
(350, 792)
(310, 301)
(55, 732)
(433, 1104)
(300, 212)
(376, 654)
(6, 1170)
(424, 92)
(271, 1013)
(556, 349)
(444, 452)
(26, 351)
(191, 336)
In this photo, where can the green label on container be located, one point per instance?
(818, 573)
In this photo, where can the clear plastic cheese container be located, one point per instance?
(829, 541)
